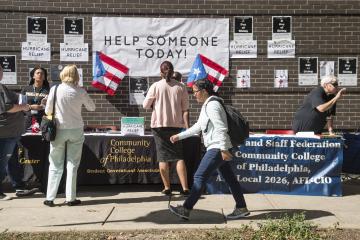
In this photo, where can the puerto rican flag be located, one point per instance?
(204, 67)
(107, 73)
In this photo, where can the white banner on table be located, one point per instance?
(138, 88)
(281, 49)
(347, 69)
(243, 78)
(142, 44)
(73, 30)
(8, 63)
(243, 28)
(308, 71)
(281, 78)
(36, 29)
(281, 27)
(327, 68)
(70, 52)
(35, 51)
(243, 49)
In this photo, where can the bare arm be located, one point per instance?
(326, 106)
(186, 118)
(19, 107)
(330, 125)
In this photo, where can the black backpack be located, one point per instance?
(238, 126)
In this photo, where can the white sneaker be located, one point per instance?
(238, 213)
(4, 197)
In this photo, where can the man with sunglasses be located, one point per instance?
(319, 107)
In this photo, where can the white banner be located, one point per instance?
(35, 51)
(74, 52)
(281, 49)
(243, 49)
(142, 44)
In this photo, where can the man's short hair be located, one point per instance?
(328, 79)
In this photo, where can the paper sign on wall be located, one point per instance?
(132, 126)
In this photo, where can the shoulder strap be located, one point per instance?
(212, 99)
(53, 112)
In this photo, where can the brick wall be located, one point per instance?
(324, 29)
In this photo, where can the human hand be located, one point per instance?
(174, 138)
(43, 101)
(226, 155)
(340, 93)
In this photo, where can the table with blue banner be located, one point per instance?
(286, 165)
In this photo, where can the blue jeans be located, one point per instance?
(7, 146)
(212, 161)
(15, 169)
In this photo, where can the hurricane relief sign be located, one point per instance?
(287, 165)
(142, 44)
(132, 126)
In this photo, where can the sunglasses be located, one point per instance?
(335, 84)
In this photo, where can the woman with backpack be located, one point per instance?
(218, 145)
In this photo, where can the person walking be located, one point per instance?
(212, 123)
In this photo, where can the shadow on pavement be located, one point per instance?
(164, 217)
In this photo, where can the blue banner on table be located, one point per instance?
(286, 165)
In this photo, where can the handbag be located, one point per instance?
(48, 124)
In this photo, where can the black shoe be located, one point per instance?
(49, 203)
(26, 192)
(166, 192)
(185, 193)
(73, 203)
(180, 211)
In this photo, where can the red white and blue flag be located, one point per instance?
(205, 67)
(107, 73)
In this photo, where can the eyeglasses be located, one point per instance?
(335, 84)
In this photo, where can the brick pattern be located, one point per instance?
(324, 29)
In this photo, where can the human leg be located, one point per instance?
(209, 163)
(56, 167)
(7, 146)
(165, 175)
(182, 173)
(234, 185)
(15, 170)
(240, 209)
(74, 151)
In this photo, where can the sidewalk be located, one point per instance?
(133, 207)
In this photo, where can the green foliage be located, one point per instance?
(287, 228)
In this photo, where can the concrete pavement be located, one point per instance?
(130, 207)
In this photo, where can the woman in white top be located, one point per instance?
(212, 123)
(69, 100)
